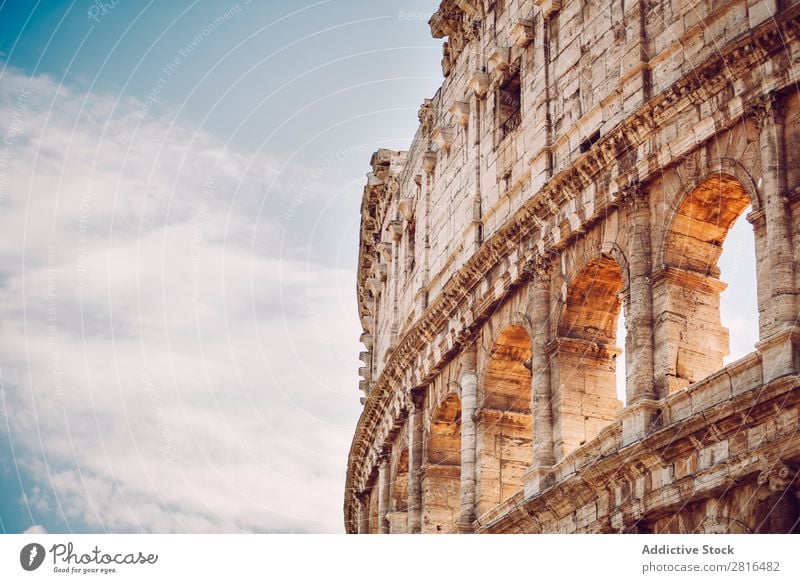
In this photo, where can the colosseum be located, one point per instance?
(582, 162)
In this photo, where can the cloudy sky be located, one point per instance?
(179, 193)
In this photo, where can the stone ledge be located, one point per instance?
(660, 451)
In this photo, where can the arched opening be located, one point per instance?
(738, 303)
(504, 423)
(441, 473)
(400, 484)
(398, 508)
(691, 342)
(585, 359)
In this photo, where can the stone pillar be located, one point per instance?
(780, 351)
(639, 316)
(779, 242)
(469, 403)
(641, 414)
(537, 478)
(363, 512)
(415, 461)
(758, 220)
(383, 493)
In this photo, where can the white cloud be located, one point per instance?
(166, 364)
(35, 529)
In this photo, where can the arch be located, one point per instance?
(584, 355)
(735, 170)
(609, 252)
(612, 250)
(399, 494)
(441, 472)
(690, 340)
(504, 426)
(490, 337)
(592, 304)
(721, 170)
(507, 364)
(701, 221)
(453, 388)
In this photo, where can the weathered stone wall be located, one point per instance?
(584, 161)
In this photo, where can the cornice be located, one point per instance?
(675, 442)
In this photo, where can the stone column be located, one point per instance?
(780, 350)
(415, 461)
(537, 477)
(758, 220)
(469, 402)
(779, 242)
(383, 492)
(642, 412)
(639, 317)
(363, 512)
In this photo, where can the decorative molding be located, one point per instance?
(765, 109)
(444, 136)
(460, 110)
(522, 33)
(406, 208)
(384, 249)
(429, 161)
(548, 6)
(396, 230)
(500, 60)
(776, 476)
(479, 83)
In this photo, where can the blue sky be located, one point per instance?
(179, 193)
(180, 185)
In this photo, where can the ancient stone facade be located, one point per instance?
(584, 159)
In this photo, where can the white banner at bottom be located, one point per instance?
(398, 558)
